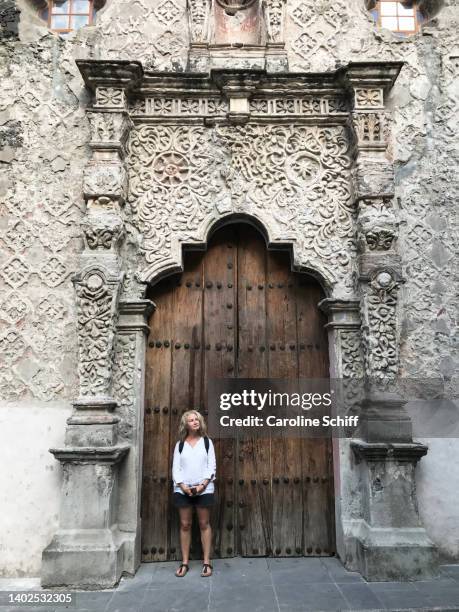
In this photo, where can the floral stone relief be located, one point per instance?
(295, 179)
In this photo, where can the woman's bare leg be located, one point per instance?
(206, 531)
(186, 518)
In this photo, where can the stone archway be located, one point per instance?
(237, 310)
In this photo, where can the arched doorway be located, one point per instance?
(237, 310)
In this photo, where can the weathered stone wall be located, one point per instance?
(43, 151)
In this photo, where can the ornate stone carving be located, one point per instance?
(107, 128)
(123, 382)
(105, 179)
(181, 176)
(15, 272)
(380, 303)
(369, 128)
(377, 225)
(14, 307)
(167, 12)
(96, 304)
(199, 20)
(12, 346)
(274, 17)
(369, 99)
(180, 106)
(380, 238)
(103, 236)
(351, 354)
(319, 21)
(110, 97)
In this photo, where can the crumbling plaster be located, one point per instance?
(43, 151)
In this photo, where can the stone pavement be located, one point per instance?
(259, 585)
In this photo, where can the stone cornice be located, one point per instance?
(373, 74)
(90, 454)
(130, 75)
(121, 74)
(410, 452)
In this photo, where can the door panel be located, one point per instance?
(237, 310)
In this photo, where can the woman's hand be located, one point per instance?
(185, 489)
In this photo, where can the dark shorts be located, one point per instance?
(201, 501)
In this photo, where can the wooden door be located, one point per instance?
(237, 311)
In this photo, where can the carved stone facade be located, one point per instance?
(322, 130)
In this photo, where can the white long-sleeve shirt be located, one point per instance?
(193, 465)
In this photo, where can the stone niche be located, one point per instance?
(246, 34)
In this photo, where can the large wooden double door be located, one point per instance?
(237, 310)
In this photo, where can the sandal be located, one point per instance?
(204, 573)
(185, 565)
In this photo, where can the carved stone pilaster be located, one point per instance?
(274, 12)
(89, 547)
(128, 389)
(344, 327)
(199, 14)
(199, 25)
(97, 296)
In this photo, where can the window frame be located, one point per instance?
(69, 15)
(416, 15)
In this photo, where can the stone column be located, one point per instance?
(389, 541)
(88, 549)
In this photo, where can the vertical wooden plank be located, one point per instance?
(186, 369)
(219, 310)
(287, 510)
(254, 454)
(156, 511)
(316, 453)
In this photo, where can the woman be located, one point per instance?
(193, 473)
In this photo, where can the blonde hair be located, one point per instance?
(183, 426)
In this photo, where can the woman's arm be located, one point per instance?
(211, 464)
(177, 472)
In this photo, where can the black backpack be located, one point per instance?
(206, 444)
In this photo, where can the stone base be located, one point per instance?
(83, 559)
(391, 554)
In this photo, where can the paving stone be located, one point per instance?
(314, 597)
(168, 599)
(92, 600)
(399, 595)
(339, 573)
(127, 601)
(445, 596)
(299, 572)
(255, 598)
(226, 571)
(360, 596)
(451, 571)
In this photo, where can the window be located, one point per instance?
(403, 18)
(65, 16)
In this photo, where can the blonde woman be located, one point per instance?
(193, 473)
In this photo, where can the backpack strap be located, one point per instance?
(206, 444)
